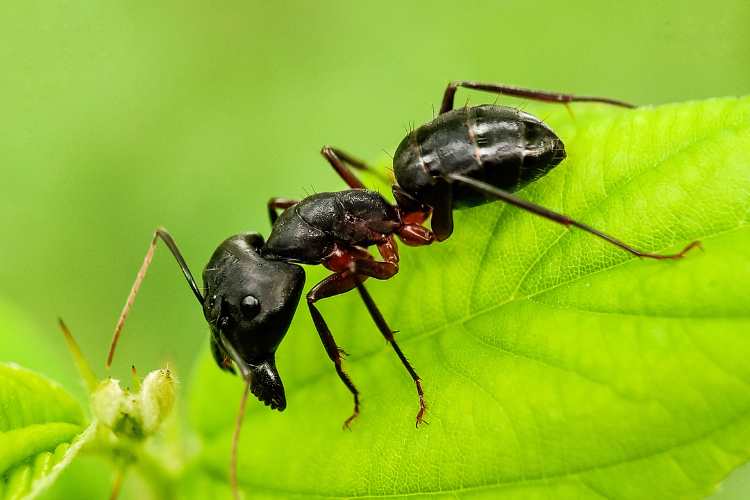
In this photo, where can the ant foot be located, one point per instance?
(694, 244)
(348, 422)
(420, 414)
(674, 256)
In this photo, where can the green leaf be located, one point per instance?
(41, 430)
(554, 365)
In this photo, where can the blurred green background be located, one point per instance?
(118, 117)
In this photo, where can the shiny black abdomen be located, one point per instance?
(502, 146)
(307, 231)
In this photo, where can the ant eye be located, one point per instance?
(250, 306)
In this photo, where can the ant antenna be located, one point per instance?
(131, 299)
(236, 442)
(167, 239)
(248, 377)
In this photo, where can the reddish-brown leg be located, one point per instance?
(441, 201)
(412, 211)
(386, 270)
(415, 235)
(389, 250)
(377, 317)
(564, 219)
(333, 285)
(348, 263)
(536, 95)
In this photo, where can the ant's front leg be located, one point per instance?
(335, 284)
(535, 95)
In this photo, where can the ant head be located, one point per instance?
(249, 303)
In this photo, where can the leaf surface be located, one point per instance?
(41, 430)
(555, 365)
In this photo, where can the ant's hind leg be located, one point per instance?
(339, 161)
(535, 95)
(563, 219)
(335, 284)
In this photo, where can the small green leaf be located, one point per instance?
(554, 365)
(41, 430)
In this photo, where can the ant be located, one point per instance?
(463, 157)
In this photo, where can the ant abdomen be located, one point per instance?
(501, 146)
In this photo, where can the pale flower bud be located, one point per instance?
(135, 415)
(157, 398)
(106, 402)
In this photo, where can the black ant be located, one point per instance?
(463, 157)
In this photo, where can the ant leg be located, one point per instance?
(413, 214)
(339, 161)
(388, 249)
(416, 235)
(412, 211)
(377, 317)
(536, 95)
(276, 203)
(167, 239)
(345, 281)
(560, 218)
(441, 201)
(374, 269)
(386, 270)
(335, 284)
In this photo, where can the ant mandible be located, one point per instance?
(463, 157)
